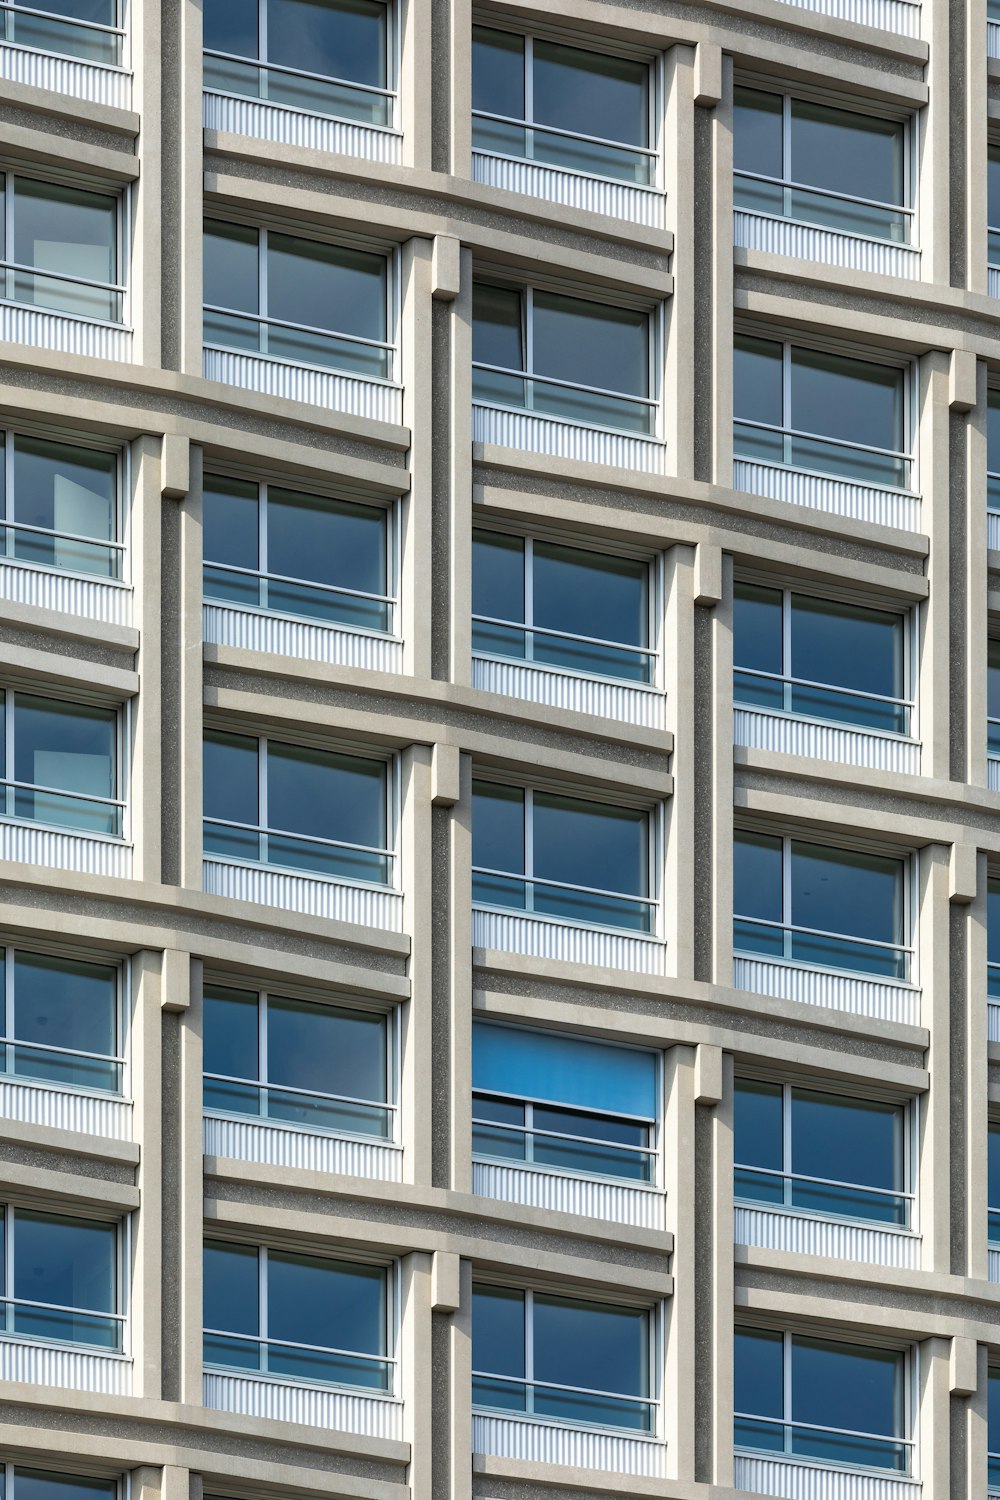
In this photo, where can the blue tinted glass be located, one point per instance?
(757, 1375)
(847, 1386)
(37, 1484)
(326, 286)
(496, 326)
(343, 39)
(230, 772)
(230, 26)
(587, 343)
(563, 1069)
(846, 152)
(993, 1399)
(844, 891)
(757, 1124)
(498, 575)
(231, 1291)
(757, 632)
(326, 796)
(71, 1262)
(230, 518)
(498, 827)
(327, 541)
(310, 1046)
(993, 423)
(848, 1140)
(311, 1300)
(498, 72)
(993, 1167)
(230, 266)
(585, 593)
(993, 921)
(993, 188)
(574, 1337)
(63, 1003)
(993, 679)
(231, 1027)
(585, 843)
(847, 646)
(498, 1330)
(836, 396)
(757, 376)
(757, 132)
(757, 876)
(590, 94)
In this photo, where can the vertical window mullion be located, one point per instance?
(786, 648)
(529, 1351)
(263, 849)
(262, 307)
(786, 401)
(262, 41)
(263, 520)
(9, 749)
(529, 1132)
(263, 1063)
(10, 499)
(262, 1330)
(786, 894)
(786, 1388)
(786, 153)
(529, 849)
(9, 1017)
(786, 1141)
(8, 1258)
(529, 93)
(529, 597)
(8, 194)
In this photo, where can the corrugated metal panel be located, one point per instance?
(46, 330)
(341, 1411)
(318, 898)
(585, 695)
(803, 1235)
(618, 200)
(776, 236)
(993, 1265)
(69, 1369)
(279, 1146)
(993, 50)
(993, 273)
(886, 15)
(798, 1481)
(269, 122)
(250, 631)
(993, 773)
(91, 598)
(64, 851)
(570, 1195)
(862, 502)
(993, 528)
(84, 1114)
(67, 75)
(512, 932)
(516, 429)
(360, 398)
(993, 1023)
(785, 735)
(877, 998)
(576, 1447)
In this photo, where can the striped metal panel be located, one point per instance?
(281, 1146)
(584, 695)
(799, 1481)
(251, 630)
(862, 502)
(877, 998)
(993, 528)
(68, 1369)
(47, 330)
(292, 127)
(803, 1235)
(575, 1447)
(993, 281)
(336, 901)
(67, 75)
(592, 445)
(776, 236)
(514, 932)
(993, 773)
(993, 1265)
(596, 195)
(886, 15)
(278, 1401)
(56, 850)
(993, 50)
(992, 1022)
(360, 398)
(84, 1114)
(562, 1194)
(783, 734)
(44, 588)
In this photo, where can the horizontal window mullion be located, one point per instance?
(83, 1312)
(326, 588)
(828, 687)
(350, 338)
(563, 1135)
(101, 286)
(566, 885)
(287, 1088)
(822, 192)
(561, 1104)
(7, 1041)
(12, 524)
(257, 1338)
(878, 1437)
(849, 937)
(552, 1385)
(307, 838)
(573, 135)
(258, 62)
(569, 385)
(30, 10)
(818, 437)
(566, 635)
(57, 791)
(856, 1187)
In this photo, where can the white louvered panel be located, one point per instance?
(618, 200)
(67, 75)
(862, 502)
(798, 1481)
(276, 1400)
(803, 1235)
(252, 630)
(783, 734)
(992, 50)
(993, 1022)
(563, 1194)
(877, 998)
(993, 773)
(575, 1447)
(993, 1265)
(334, 900)
(68, 1369)
(46, 330)
(84, 1114)
(280, 1146)
(776, 236)
(513, 932)
(294, 127)
(584, 695)
(375, 399)
(33, 845)
(993, 281)
(91, 598)
(592, 445)
(886, 15)
(993, 530)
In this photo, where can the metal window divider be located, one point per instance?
(262, 1308)
(529, 1351)
(263, 517)
(529, 849)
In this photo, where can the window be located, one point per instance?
(993, 697)
(327, 57)
(564, 857)
(561, 607)
(298, 1062)
(993, 203)
(836, 168)
(312, 810)
(821, 1153)
(822, 412)
(577, 1361)
(296, 299)
(993, 444)
(62, 1279)
(295, 554)
(297, 1317)
(825, 907)
(820, 659)
(61, 249)
(61, 763)
(567, 107)
(993, 939)
(60, 505)
(17, 1483)
(820, 1399)
(993, 1429)
(993, 1182)
(62, 1022)
(563, 357)
(561, 1102)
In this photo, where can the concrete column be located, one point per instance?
(460, 1367)
(680, 1323)
(191, 202)
(189, 677)
(934, 657)
(459, 564)
(934, 954)
(933, 154)
(415, 1364)
(679, 353)
(718, 323)
(933, 1426)
(459, 160)
(680, 863)
(975, 146)
(722, 779)
(190, 1234)
(145, 256)
(723, 1299)
(972, 1484)
(419, 1086)
(976, 582)
(415, 69)
(147, 1126)
(460, 975)
(974, 1080)
(147, 728)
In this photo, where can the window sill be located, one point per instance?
(260, 630)
(313, 895)
(275, 1398)
(782, 733)
(882, 999)
(876, 504)
(556, 1190)
(811, 1479)
(238, 114)
(604, 697)
(630, 202)
(797, 1232)
(513, 931)
(773, 234)
(274, 1143)
(556, 437)
(545, 1440)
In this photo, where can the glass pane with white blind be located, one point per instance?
(993, 1182)
(62, 249)
(993, 697)
(62, 1021)
(60, 763)
(993, 444)
(61, 506)
(64, 1279)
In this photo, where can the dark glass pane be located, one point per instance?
(757, 628)
(993, 1419)
(496, 326)
(833, 1448)
(757, 876)
(312, 1300)
(572, 1337)
(757, 1187)
(327, 796)
(849, 1140)
(230, 26)
(327, 541)
(499, 640)
(326, 286)
(764, 1437)
(39, 1484)
(845, 891)
(328, 1114)
(230, 266)
(759, 692)
(591, 94)
(499, 890)
(757, 132)
(848, 1386)
(993, 1167)
(588, 843)
(498, 1394)
(837, 396)
(847, 708)
(231, 1029)
(68, 1261)
(231, 523)
(73, 38)
(230, 775)
(754, 937)
(498, 72)
(498, 579)
(587, 593)
(993, 679)
(65, 488)
(857, 155)
(847, 953)
(65, 229)
(311, 1046)
(498, 827)
(231, 1290)
(588, 343)
(993, 188)
(993, 921)
(604, 1411)
(343, 39)
(758, 1372)
(61, 1002)
(851, 1203)
(993, 429)
(847, 646)
(594, 1160)
(334, 1369)
(498, 1331)
(757, 380)
(71, 747)
(757, 1124)
(233, 1098)
(233, 1353)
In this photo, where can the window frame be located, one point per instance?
(992, 638)
(120, 29)
(655, 597)
(9, 784)
(393, 532)
(992, 400)
(992, 1132)
(121, 1482)
(9, 1208)
(992, 144)
(993, 1373)
(70, 438)
(333, 1002)
(654, 1402)
(123, 965)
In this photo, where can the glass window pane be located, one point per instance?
(847, 1385)
(993, 680)
(61, 1002)
(39, 1484)
(312, 1300)
(345, 39)
(757, 132)
(311, 1046)
(847, 1140)
(993, 436)
(843, 890)
(591, 94)
(757, 628)
(231, 1287)
(230, 777)
(857, 155)
(589, 593)
(71, 1262)
(591, 1343)
(326, 286)
(498, 1330)
(498, 575)
(837, 396)
(563, 1069)
(757, 376)
(588, 843)
(328, 796)
(498, 827)
(327, 541)
(498, 72)
(757, 1124)
(993, 188)
(65, 488)
(61, 229)
(847, 646)
(496, 326)
(231, 266)
(587, 343)
(993, 1418)
(230, 522)
(230, 26)
(231, 1026)
(758, 1373)
(68, 747)
(757, 876)
(993, 921)
(993, 1167)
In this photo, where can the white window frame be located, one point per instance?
(123, 1253)
(8, 783)
(88, 443)
(120, 29)
(121, 1482)
(121, 1058)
